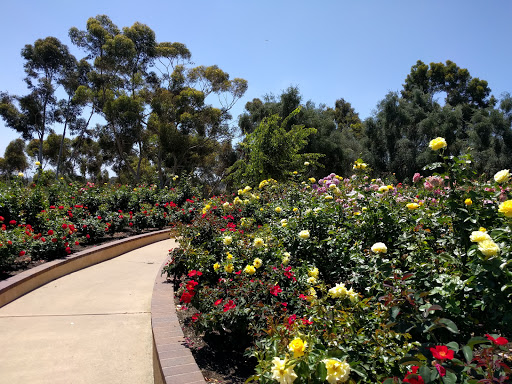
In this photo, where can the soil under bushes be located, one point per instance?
(218, 361)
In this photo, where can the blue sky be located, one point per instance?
(358, 50)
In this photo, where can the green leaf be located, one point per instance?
(450, 325)
(409, 360)
(450, 378)
(476, 340)
(321, 371)
(453, 345)
(424, 372)
(432, 166)
(468, 353)
(395, 311)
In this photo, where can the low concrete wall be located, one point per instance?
(16, 286)
(173, 362)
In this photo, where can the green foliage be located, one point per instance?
(272, 152)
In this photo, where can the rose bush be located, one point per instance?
(366, 272)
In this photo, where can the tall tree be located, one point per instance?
(14, 159)
(162, 118)
(340, 135)
(33, 115)
(404, 123)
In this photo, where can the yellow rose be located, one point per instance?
(338, 291)
(306, 163)
(313, 272)
(216, 267)
(337, 371)
(227, 240)
(478, 236)
(413, 206)
(506, 208)
(353, 296)
(379, 248)
(488, 248)
(437, 144)
(38, 163)
(304, 234)
(312, 180)
(229, 268)
(257, 263)
(311, 280)
(328, 197)
(282, 372)
(383, 189)
(258, 242)
(468, 202)
(20, 174)
(278, 210)
(249, 269)
(502, 176)
(297, 346)
(229, 256)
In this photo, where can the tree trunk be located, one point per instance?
(62, 140)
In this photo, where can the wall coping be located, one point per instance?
(26, 281)
(173, 362)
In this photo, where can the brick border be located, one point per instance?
(18, 285)
(173, 362)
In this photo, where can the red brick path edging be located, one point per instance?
(173, 362)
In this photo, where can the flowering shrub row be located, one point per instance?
(44, 222)
(357, 279)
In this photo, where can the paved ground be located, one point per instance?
(92, 326)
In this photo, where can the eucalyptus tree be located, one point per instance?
(32, 115)
(152, 100)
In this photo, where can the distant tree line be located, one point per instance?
(156, 120)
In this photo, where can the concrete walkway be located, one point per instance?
(92, 326)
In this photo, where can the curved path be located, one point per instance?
(91, 326)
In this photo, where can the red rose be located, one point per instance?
(68, 250)
(130, 224)
(441, 352)
(88, 236)
(1, 219)
(64, 226)
(50, 232)
(499, 341)
(218, 302)
(275, 290)
(229, 305)
(61, 207)
(22, 253)
(12, 222)
(54, 240)
(413, 377)
(186, 297)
